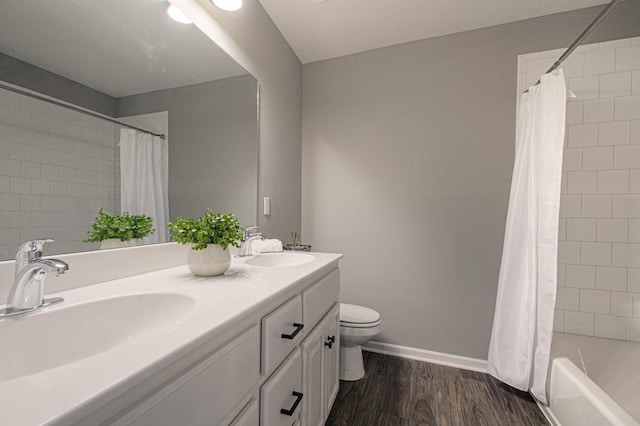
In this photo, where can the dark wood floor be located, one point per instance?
(398, 391)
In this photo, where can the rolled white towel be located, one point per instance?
(266, 246)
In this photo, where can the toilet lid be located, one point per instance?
(354, 314)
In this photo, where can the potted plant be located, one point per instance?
(210, 237)
(119, 230)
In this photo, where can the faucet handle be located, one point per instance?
(32, 250)
(250, 231)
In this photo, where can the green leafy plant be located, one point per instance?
(123, 226)
(212, 228)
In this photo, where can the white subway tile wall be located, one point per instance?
(599, 229)
(612, 230)
(57, 167)
(614, 133)
(615, 84)
(595, 205)
(582, 276)
(611, 278)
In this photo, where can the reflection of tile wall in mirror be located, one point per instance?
(58, 166)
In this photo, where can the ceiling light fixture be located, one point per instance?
(177, 15)
(228, 5)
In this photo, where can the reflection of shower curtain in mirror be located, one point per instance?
(144, 175)
(523, 321)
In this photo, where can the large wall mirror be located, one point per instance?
(126, 60)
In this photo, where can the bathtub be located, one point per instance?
(609, 392)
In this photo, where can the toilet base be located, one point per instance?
(351, 364)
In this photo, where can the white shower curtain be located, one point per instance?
(144, 176)
(523, 321)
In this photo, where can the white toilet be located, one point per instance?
(358, 325)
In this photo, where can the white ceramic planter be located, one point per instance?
(112, 243)
(208, 262)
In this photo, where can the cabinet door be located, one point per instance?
(281, 395)
(331, 358)
(313, 379)
(206, 393)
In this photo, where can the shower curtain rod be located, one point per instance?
(80, 110)
(584, 34)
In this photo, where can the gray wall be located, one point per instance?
(407, 160)
(20, 73)
(250, 37)
(213, 146)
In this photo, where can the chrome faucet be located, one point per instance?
(251, 233)
(27, 292)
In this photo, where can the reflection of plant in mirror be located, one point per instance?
(212, 228)
(123, 226)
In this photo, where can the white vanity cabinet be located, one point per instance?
(331, 363)
(316, 360)
(320, 358)
(277, 366)
(184, 350)
(206, 393)
(321, 349)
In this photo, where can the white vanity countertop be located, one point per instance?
(68, 392)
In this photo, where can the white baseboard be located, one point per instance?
(462, 362)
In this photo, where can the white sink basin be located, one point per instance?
(43, 340)
(280, 259)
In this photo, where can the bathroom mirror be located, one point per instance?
(126, 60)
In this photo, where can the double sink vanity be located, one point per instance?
(257, 346)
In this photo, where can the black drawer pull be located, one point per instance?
(293, 335)
(290, 411)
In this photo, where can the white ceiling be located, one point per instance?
(323, 29)
(119, 47)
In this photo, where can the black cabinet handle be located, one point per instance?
(330, 341)
(293, 335)
(291, 410)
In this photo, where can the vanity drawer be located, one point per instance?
(207, 393)
(281, 396)
(281, 333)
(319, 298)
